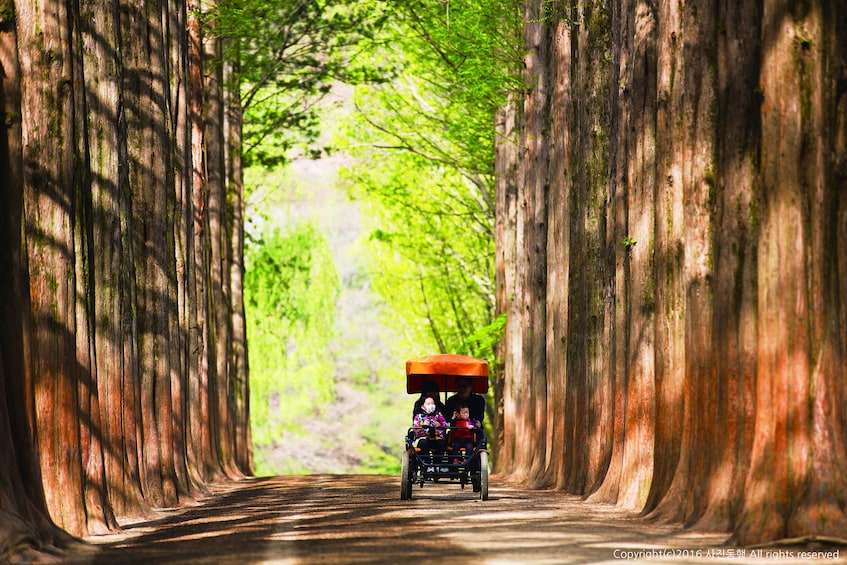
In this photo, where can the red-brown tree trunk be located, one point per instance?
(239, 366)
(530, 391)
(201, 459)
(181, 215)
(107, 319)
(115, 366)
(143, 85)
(98, 512)
(220, 315)
(47, 112)
(587, 390)
(25, 522)
(506, 191)
(703, 240)
(558, 255)
(796, 483)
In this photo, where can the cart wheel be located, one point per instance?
(405, 476)
(483, 475)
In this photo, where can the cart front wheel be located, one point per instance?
(405, 476)
(483, 475)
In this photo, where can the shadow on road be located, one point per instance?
(359, 519)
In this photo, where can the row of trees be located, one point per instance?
(123, 368)
(672, 257)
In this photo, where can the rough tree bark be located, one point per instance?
(108, 239)
(24, 520)
(181, 215)
(529, 390)
(107, 188)
(705, 258)
(98, 513)
(47, 112)
(506, 189)
(796, 483)
(219, 237)
(587, 391)
(239, 364)
(669, 250)
(148, 171)
(557, 253)
(201, 457)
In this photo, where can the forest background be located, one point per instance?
(130, 238)
(370, 236)
(645, 198)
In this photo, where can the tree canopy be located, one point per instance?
(289, 54)
(425, 144)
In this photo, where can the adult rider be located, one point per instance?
(475, 402)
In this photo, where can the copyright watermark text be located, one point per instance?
(727, 553)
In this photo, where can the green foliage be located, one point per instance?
(279, 275)
(453, 67)
(290, 288)
(376, 459)
(551, 11)
(290, 54)
(431, 76)
(481, 343)
(425, 148)
(431, 250)
(7, 11)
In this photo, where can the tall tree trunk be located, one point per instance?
(531, 284)
(107, 317)
(620, 238)
(668, 251)
(47, 112)
(99, 515)
(25, 521)
(199, 441)
(144, 76)
(100, 64)
(506, 191)
(558, 259)
(220, 317)
(181, 231)
(239, 392)
(716, 399)
(687, 492)
(797, 471)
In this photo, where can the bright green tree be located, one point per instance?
(425, 144)
(289, 57)
(290, 54)
(291, 288)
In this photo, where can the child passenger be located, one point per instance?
(464, 429)
(465, 435)
(430, 425)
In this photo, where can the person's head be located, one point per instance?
(429, 388)
(428, 405)
(464, 386)
(464, 413)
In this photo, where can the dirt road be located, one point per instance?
(361, 519)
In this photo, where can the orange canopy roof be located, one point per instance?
(444, 370)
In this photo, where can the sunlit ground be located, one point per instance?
(361, 519)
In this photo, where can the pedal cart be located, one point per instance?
(465, 466)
